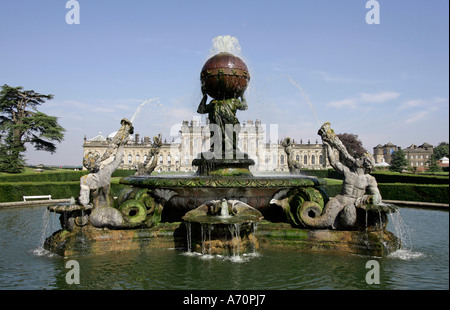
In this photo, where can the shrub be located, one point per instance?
(415, 192)
(60, 176)
(395, 177)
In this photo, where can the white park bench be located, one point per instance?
(49, 197)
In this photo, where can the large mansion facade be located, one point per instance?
(177, 156)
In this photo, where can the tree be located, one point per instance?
(438, 152)
(441, 150)
(398, 161)
(352, 144)
(21, 123)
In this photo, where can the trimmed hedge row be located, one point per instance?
(59, 176)
(436, 193)
(325, 173)
(384, 177)
(14, 191)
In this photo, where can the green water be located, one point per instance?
(423, 264)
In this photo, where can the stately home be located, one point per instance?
(417, 156)
(177, 155)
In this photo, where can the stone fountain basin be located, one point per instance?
(193, 191)
(210, 213)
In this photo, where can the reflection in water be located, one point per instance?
(423, 265)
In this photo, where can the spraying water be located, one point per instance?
(293, 82)
(227, 44)
(138, 110)
(224, 209)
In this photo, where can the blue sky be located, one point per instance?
(385, 82)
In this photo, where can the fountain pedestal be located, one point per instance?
(223, 167)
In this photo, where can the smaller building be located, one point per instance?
(443, 162)
(383, 153)
(419, 156)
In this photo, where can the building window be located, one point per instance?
(137, 158)
(297, 158)
(321, 159)
(313, 160)
(186, 160)
(130, 158)
(282, 159)
(305, 159)
(169, 160)
(160, 159)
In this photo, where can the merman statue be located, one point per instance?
(358, 188)
(95, 187)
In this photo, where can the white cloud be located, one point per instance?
(379, 97)
(350, 103)
(364, 98)
(413, 118)
(432, 103)
(328, 77)
(412, 103)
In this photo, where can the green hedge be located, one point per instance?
(436, 193)
(395, 177)
(59, 176)
(415, 192)
(123, 173)
(14, 191)
(325, 173)
(384, 177)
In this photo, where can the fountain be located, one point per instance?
(222, 227)
(216, 210)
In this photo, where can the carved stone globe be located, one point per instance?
(225, 76)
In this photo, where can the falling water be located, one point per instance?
(206, 238)
(402, 232)
(189, 237)
(235, 238)
(40, 251)
(255, 227)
